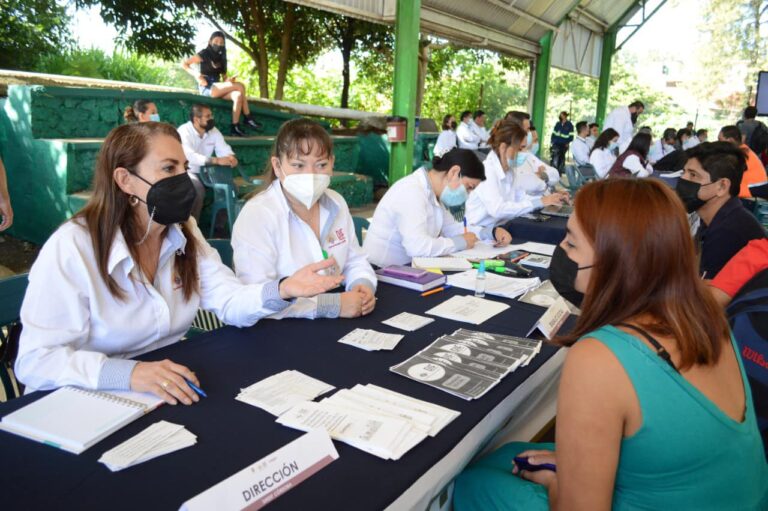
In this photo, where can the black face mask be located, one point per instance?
(562, 273)
(688, 191)
(634, 117)
(453, 125)
(217, 48)
(209, 125)
(170, 200)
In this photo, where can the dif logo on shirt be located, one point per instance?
(337, 238)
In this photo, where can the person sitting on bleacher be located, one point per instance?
(755, 172)
(201, 139)
(634, 161)
(142, 110)
(214, 82)
(128, 274)
(603, 154)
(654, 409)
(710, 186)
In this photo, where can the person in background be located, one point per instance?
(535, 147)
(142, 110)
(634, 161)
(467, 138)
(201, 139)
(748, 262)
(653, 400)
(298, 221)
(749, 123)
(477, 126)
(689, 125)
(6, 211)
(562, 136)
(710, 186)
(664, 146)
(594, 132)
(213, 81)
(580, 148)
(522, 119)
(128, 273)
(683, 139)
(623, 120)
(412, 219)
(446, 140)
(498, 199)
(702, 135)
(755, 172)
(603, 154)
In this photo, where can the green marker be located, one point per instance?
(325, 254)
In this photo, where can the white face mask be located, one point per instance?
(306, 188)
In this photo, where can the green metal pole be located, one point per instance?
(406, 73)
(609, 45)
(541, 84)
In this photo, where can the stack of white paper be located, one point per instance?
(281, 391)
(468, 309)
(536, 248)
(371, 340)
(407, 321)
(158, 439)
(497, 285)
(373, 419)
(482, 250)
(441, 263)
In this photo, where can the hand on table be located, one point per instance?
(308, 282)
(165, 379)
(369, 300)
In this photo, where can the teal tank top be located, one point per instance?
(687, 454)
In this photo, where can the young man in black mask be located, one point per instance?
(710, 187)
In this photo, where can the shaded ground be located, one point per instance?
(16, 256)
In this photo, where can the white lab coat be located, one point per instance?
(270, 242)
(446, 141)
(620, 119)
(602, 160)
(409, 222)
(468, 139)
(497, 199)
(659, 150)
(633, 164)
(526, 177)
(480, 132)
(580, 151)
(77, 333)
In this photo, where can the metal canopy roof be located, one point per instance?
(511, 27)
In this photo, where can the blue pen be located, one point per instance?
(465, 225)
(522, 464)
(196, 388)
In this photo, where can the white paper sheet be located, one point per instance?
(497, 285)
(160, 438)
(482, 250)
(536, 248)
(468, 309)
(371, 340)
(281, 391)
(407, 321)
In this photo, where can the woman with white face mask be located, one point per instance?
(603, 154)
(412, 219)
(298, 221)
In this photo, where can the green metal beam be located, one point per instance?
(609, 45)
(541, 84)
(404, 96)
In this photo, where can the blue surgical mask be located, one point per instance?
(612, 146)
(154, 117)
(535, 148)
(454, 197)
(529, 139)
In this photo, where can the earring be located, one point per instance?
(133, 200)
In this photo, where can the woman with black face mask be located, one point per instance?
(654, 409)
(214, 82)
(128, 273)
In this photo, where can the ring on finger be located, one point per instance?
(165, 384)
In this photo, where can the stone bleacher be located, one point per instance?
(50, 136)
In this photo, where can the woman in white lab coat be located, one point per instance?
(446, 140)
(412, 219)
(603, 154)
(128, 273)
(299, 221)
(499, 199)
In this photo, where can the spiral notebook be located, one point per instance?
(74, 419)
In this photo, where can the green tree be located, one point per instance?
(29, 29)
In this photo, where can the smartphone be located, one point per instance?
(522, 464)
(514, 256)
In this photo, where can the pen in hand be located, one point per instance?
(196, 388)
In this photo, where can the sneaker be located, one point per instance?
(253, 124)
(236, 131)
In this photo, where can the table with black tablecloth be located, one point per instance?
(232, 435)
(547, 231)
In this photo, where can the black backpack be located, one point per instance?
(758, 142)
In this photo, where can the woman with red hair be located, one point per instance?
(654, 409)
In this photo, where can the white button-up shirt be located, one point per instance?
(480, 132)
(580, 151)
(271, 242)
(198, 149)
(468, 139)
(620, 119)
(659, 150)
(77, 333)
(410, 222)
(602, 160)
(446, 141)
(633, 164)
(497, 199)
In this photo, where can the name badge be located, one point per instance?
(259, 484)
(550, 322)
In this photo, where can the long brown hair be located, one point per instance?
(645, 264)
(506, 132)
(298, 136)
(109, 210)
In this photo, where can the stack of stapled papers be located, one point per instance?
(371, 340)
(497, 285)
(281, 391)
(158, 439)
(373, 419)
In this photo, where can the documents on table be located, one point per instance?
(545, 295)
(373, 419)
(407, 321)
(371, 340)
(441, 263)
(281, 391)
(468, 364)
(537, 260)
(497, 285)
(482, 250)
(158, 439)
(468, 309)
(536, 248)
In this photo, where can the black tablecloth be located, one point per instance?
(549, 231)
(232, 435)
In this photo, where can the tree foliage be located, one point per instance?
(30, 29)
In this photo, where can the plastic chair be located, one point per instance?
(220, 180)
(224, 248)
(574, 178)
(360, 224)
(206, 321)
(12, 291)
